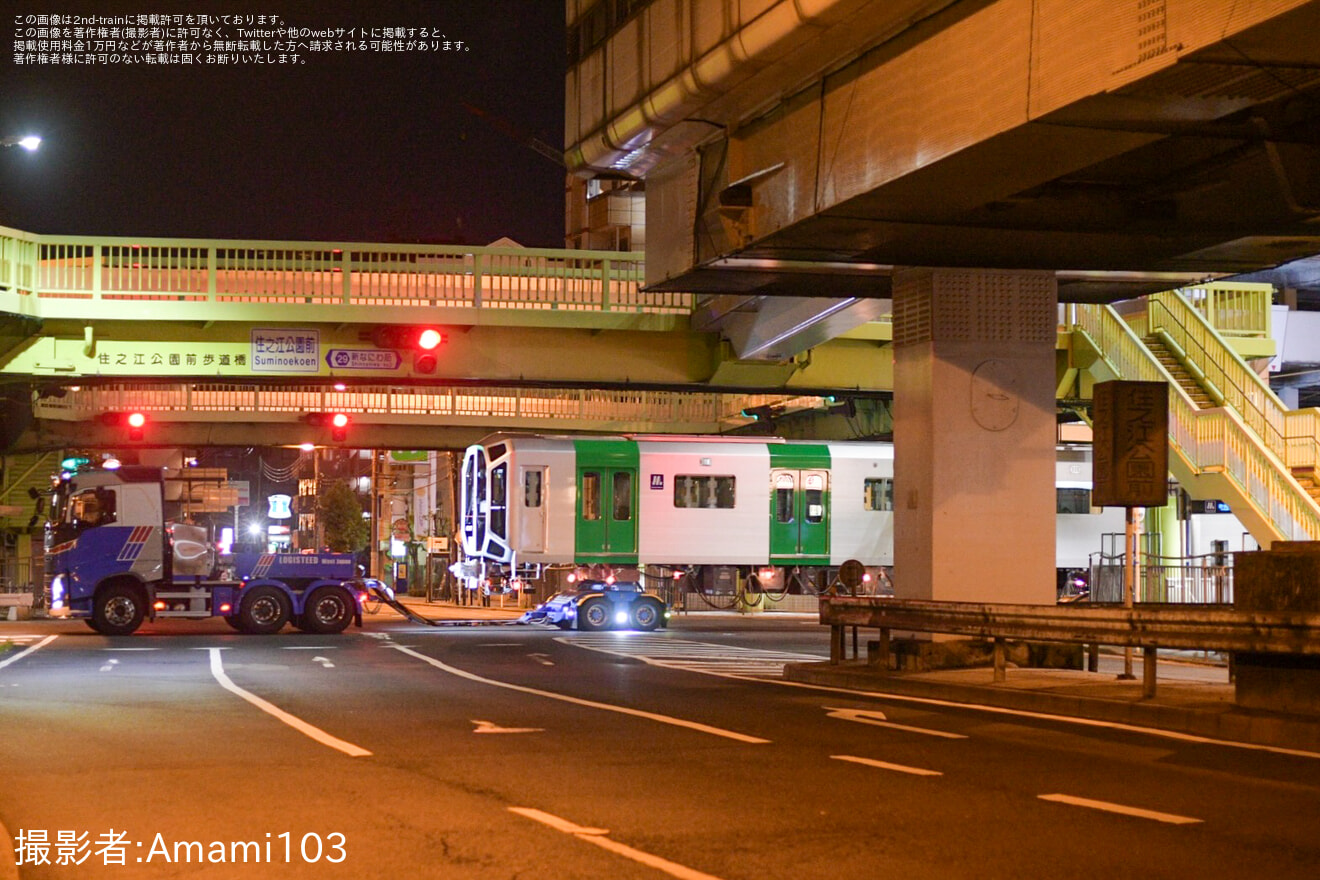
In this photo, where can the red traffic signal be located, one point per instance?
(422, 341)
(339, 427)
(136, 422)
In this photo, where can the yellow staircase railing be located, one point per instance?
(1243, 451)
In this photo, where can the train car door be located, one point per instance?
(533, 509)
(800, 505)
(606, 501)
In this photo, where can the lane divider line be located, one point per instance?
(1122, 809)
(877, 718)
(598, 837)
(28, 650)
(590, 704)
(885, 765)
(316, 733)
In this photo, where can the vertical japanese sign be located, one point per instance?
(1131, 467)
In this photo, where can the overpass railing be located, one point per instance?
(36, 268)
(279, 402)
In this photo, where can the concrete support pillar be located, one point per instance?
(974, 435)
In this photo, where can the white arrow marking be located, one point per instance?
(877, 718)
(324, 661)
(492, 727)
(543, 659)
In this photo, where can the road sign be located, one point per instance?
(362, 359)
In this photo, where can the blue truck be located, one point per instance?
(118, 554)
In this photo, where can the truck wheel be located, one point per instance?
(264, 611)
(646, 616)
(232, 620)
(119, 610)
(328, 610)
(594, 615)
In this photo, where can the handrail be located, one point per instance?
(220, 273)
(1290, 435)
(1212, 439)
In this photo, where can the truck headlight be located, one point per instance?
(57, 592)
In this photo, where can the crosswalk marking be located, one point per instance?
(701, 657)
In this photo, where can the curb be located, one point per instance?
(1274, 730)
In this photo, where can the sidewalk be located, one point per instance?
(1194, 708)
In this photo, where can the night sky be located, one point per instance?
(368, 147)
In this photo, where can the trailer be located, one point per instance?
(116, 555)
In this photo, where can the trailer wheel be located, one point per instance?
(646, 616)
(232, 620)
(118, 610)
(594, 615)
(264, 611)
(328, 610)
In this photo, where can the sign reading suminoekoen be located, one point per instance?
(286, 350)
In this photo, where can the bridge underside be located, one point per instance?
(999, 135)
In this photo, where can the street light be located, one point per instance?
(28, 142)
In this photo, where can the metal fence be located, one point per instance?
(1191, 580)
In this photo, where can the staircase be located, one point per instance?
(1174, 367)
(1230, 437)
(20, 473)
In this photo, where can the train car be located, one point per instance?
(778, 514)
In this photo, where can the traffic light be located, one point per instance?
(421, 341)
(338, 423)
(339, 427)
(136, 422)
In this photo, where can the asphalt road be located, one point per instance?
(404, 751)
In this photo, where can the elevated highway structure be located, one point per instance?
(979, 161)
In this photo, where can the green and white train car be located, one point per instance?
(677, 504)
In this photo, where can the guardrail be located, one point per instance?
(1149, 627)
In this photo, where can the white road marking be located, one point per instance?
(885, 765)
(1123, 809)
(1045, 716)
(492, 727)
(28, 650)
(316, 733)
(877, 718)
(700, 657)
(598, 837)
(543, 659)
(591, 704)
(109, 665)
(324, 661)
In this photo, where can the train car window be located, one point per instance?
(590, 495)
(711, 492)
(878, 493)
(1072, 500)
(499, 478)
(622, 496)
(784, 505)
(815, 499)
(531, 488)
